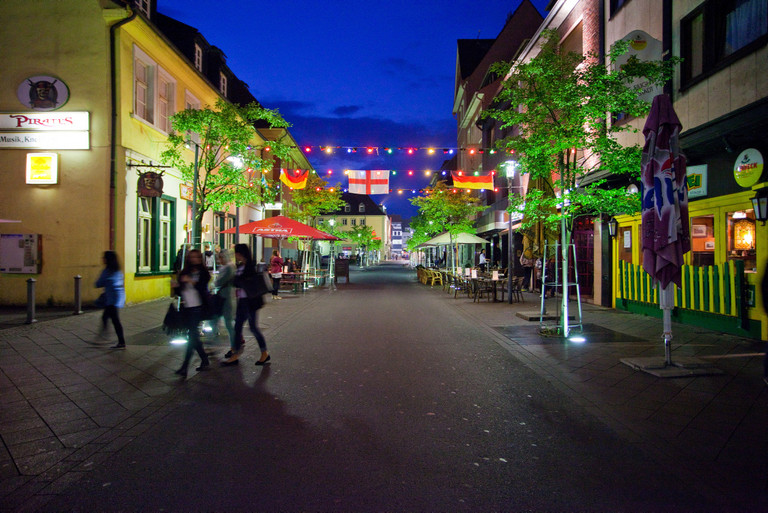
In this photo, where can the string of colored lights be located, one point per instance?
(389, 150)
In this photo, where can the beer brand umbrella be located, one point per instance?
(665, 231)
(281, 227)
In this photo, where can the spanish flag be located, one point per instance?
(472, 182)
(296, 179)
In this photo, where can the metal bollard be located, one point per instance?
(31, 301)
(78, 299)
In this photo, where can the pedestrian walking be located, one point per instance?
(209, 257)
(250, 289)
(111, 280)
(192, 286)
(482, 261)
(223, 283)
(276, 271)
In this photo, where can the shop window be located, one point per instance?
(703, 240)
(166, 247)
(144, 243)
(625, 244)
(155, 234)
(719, 32)
(741, 238)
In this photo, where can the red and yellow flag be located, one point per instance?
(295, 179)
(472, 182)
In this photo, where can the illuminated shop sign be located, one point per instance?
(748, 167)
(697, 181)
(44, 122)
(45, 140)
(42, 92)
(42, 168)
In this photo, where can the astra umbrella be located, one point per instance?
(665, 231)
(281, 227)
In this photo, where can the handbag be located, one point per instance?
(101, 301)
(173, 321)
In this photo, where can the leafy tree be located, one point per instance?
(558, 106)
(362, 236)
(445, 209)
(230, 165)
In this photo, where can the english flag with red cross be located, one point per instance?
(369, 181)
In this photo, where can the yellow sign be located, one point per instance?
(748, 167)
(42, 168)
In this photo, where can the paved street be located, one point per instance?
(382, 395)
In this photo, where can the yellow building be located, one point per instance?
(359, 210)
(91, 90)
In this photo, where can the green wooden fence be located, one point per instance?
(717, 289)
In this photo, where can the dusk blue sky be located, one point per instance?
(353, 73)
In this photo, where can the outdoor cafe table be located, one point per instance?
(297, 279)
(486, 283)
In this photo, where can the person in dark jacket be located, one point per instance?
(111, 279)
(250, 288)
(192, 286)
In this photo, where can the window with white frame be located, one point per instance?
(362, 222)
(142, 91)
(222, 83)
(198, 57)
(144, 236)
(344, 222)
(190, 102)
(154, 91)
(361, 208)
(354, 222)
(165, 102)
(142, 6)
(346, 208)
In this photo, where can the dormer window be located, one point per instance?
(346, 208)
(361, 208)
(142, 6)
(198, 57)
(222, 83)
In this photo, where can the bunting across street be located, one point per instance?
(472, 182)
(369, 181)
(295, 180)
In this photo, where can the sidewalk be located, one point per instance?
(67, 403)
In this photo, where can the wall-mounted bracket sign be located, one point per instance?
(42, 92)
(748, 167)
(42, 168)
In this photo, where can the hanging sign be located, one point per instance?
(697, 181)
(42, 93)
(748, 167)
(150, 185)
(185, 191)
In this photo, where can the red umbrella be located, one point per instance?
(665, 231)
(281, 227)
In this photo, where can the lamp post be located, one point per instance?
(332, 259)
(194, 193)
(510, 167)
(760, 205)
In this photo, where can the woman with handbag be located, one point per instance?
(192, 286)
(250, 287)
(111, 279)
(276, 271)
(223, 298)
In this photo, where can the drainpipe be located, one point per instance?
(666, 41)
(113, 131)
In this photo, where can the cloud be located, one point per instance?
(347, 110)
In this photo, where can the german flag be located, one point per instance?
(472, 182)
(296, 179)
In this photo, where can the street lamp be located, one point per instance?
(760, 205)
(510, 166)
(613, 226)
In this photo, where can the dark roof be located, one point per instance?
(471, 52)
(354, 200)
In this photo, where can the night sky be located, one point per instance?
(353, 74)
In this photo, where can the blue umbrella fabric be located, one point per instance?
(665, 231)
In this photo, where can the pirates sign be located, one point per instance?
(150, 184)
(42, 93)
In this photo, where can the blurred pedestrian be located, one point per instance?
(209, 257)
(250, 289)
(223, 283)
(192, 286)
(276, 271)
(111, 279)
(482, 261)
